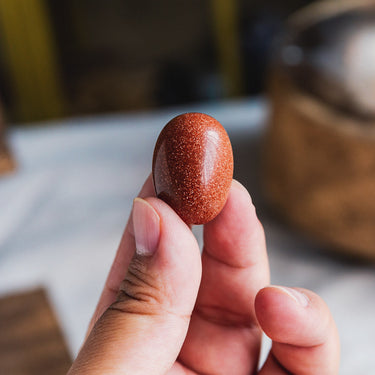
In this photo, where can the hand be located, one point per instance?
(165, 309)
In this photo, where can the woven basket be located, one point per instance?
(319, 161)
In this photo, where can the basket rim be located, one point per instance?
(309, 105)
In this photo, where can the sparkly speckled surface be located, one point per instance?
(193, 166)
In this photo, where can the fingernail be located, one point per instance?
(298, 296)
(146, 227)
(237, 184)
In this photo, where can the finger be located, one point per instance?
(121, 262)
(235, 267)
(143, 331)
(305, 338)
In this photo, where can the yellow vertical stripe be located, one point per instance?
(28, 46)
(226, 30)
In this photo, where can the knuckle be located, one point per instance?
(140, 292)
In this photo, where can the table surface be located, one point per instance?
(63, 211)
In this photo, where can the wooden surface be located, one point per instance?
(30, 341)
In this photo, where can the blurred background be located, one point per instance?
(87, 85)
(64, 58)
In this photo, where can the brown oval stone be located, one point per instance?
(193, 167)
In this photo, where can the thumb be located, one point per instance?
(143, 331)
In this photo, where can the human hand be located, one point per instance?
(167, 310)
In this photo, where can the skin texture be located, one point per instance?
(175, 312)
(193, 167)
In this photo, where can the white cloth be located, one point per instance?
(63, 211)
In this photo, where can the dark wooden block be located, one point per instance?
(31, 341)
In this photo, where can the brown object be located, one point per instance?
(7, 163)
(30, 338)
(193, 167)
(320, 159)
